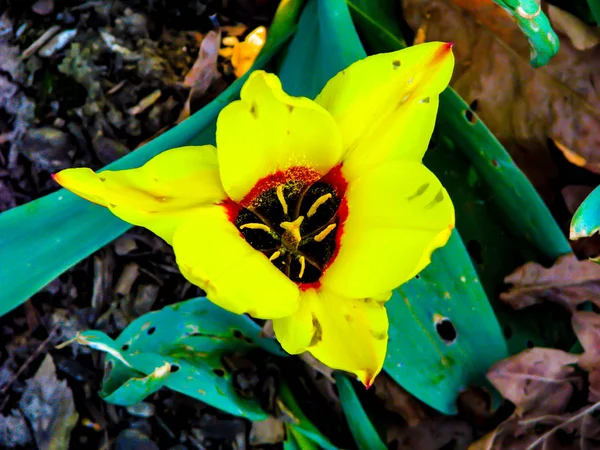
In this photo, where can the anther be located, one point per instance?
(313, 209)
(291, 238)
(302, 261)
(281, 198)
(275, 255)
(323, 234)
(256, 226)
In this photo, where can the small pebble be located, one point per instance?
(134, 440)
(141, 409)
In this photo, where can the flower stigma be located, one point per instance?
(292, 221)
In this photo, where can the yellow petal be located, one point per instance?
(385, 105)
(161, 194)
(268, 132)
(343, 333)
(398, 214)
(211, 253)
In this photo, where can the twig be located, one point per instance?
(577, 416)
(34, 355)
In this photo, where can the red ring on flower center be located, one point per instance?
(295, 217)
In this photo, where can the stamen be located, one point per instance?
(313, 209)
(256, 226)
(275, 255)
(302, 260)
(291, 237)
(323, 234)
(281, 198)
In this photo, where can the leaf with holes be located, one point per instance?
(180, 347)
(34, 236)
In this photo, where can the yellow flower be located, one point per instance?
(310, 212)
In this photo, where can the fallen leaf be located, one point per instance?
(399, 401)
(522, 106)
(537, 380)
(243, 54)
(581, 35)
(267, 432)
(48, 405)
(587, 328)
(204, 71)
(568, 282)
(439, 433)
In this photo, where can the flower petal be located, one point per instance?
(268, 131)
(211, 253)
(344, 333)
(385, 105)
(398, 214)
(159, 195)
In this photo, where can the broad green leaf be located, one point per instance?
(586, 220)
(297, 441)
(181, 347)
(362, 429)
(377, 19)
(543, 41)
(42, 239)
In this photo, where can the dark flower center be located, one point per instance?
(295, 225)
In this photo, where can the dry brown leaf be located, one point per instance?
(537, 381)
(582, 35)
(399, 401)
(204, 71)
(523, 107)
(439, 433)
(568, 282)
(587, 327)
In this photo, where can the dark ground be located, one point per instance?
(67, 102)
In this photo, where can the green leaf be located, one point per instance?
(377, 20)
(302, 427)
(362, 429)
(44, 238)
(586, 221)
(543, 41)
(180, 347)
(594, 6)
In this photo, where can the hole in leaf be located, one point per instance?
(238, 334)
(446, 330)
(219, 372)
(417, 276)
(151, 330)
(125, 347)
(174, 368)
(475, 251)
(469, 113)
(507, 331)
